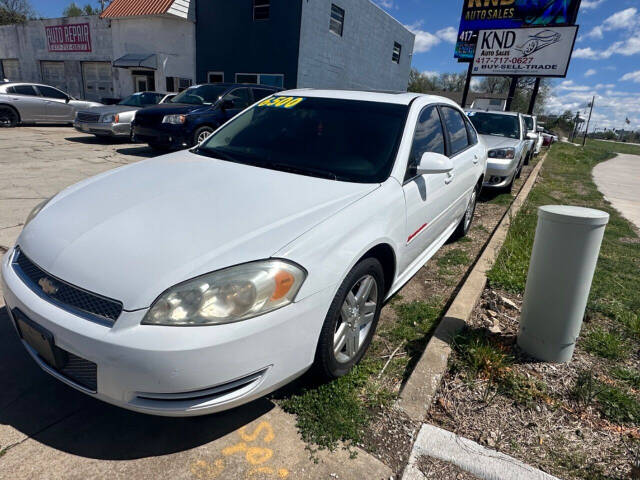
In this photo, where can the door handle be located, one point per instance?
(475, 159)
(449, 178)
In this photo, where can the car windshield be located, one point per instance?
(529, 122)
(200, 95)
(141, 99)
(487, 123)
(347, 140)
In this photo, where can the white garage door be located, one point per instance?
(98, 80)
(11, 70)
(53, 74)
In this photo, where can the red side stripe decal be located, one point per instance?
(416, 232)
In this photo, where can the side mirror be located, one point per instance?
(66, 100)
(532, 136)
(432, 162)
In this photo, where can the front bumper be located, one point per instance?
(166, 135)
(104, 129)
(178, 371)
(500, 172)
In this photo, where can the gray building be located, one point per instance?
(351, 44)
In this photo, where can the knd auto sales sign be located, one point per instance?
(531, 52)
(74, 37)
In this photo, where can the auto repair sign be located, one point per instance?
(74, 37)
(532, 52)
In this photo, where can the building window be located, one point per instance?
(397, 50)
(215, 77)
(271, 79)
(178, 84)
(10, 70)
(261, 9)
(336, 22)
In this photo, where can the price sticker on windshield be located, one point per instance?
(281, 102)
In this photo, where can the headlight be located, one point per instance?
(229, 295)
(36, 210)
(508, 153)
(107, 118)
(174, 119)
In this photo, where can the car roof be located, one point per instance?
(400, 98)
(497, 112)
(231, 85)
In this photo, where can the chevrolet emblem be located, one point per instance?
(48, 286)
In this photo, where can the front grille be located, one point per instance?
(88, 117)
(149, 118)
(81, 371)
(69, 297)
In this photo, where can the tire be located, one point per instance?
(201, 134)
(8, 117)
(336, 354)
(465, 223)
(528, 158)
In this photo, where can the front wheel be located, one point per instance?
(351, 321)
(201, 134)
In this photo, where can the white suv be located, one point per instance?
(199, 280)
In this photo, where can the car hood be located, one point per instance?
(78, 104)
(494, 141)
(132, 232)
(174, 108)
(109, 109)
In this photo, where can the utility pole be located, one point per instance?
(586, 130)
(467, 83)
(512, 92)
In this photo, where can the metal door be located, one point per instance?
(97, 80)
(11, 70)
(53, 75)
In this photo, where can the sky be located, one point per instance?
(605, 62)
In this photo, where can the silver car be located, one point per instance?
(115, 120)
(507, 140)
(36, 103)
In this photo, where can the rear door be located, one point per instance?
(241, 99)
(30, 104)
(464, 158)
(426, 196)
(57, 107)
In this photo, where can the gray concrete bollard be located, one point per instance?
(563, 260)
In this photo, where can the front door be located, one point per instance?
(427, 197)
(57, 108)
(240, 98)
(140, 84)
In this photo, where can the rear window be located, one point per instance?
(200, 95)
(346, 140)
(529, 122)
(23, 90)
(487, 123)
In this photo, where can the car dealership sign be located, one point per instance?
(74, 37)
(532, 52)
(497, 14)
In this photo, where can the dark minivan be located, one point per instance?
(194, 113)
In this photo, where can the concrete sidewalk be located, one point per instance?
(618, 180)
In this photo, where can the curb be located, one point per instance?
(417, 395)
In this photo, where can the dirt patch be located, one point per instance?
(542, 423)
(438, 469)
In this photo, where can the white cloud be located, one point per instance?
(448, 34)
(590, 4)
(628, 47)
(590, 72)
(631, 76)
(624, 19)
(430, 73)
(388, 4)
(585, 53)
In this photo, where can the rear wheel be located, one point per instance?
(351, 320)
(465, 224)
(8, 117)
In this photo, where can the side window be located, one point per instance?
(456, 129)
(240, 97)
(51, 92)
(260, 93)
(428, 137)
(24, 90)
(471, 132)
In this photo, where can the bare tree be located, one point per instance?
(15, 11)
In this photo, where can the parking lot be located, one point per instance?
(48, 430)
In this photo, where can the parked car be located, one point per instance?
(36, 103)
(506, 137)
(531, 123)
(194, 113)
(202, 279)
(115, 120)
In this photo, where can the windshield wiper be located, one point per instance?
(309, 171)
(215, 153)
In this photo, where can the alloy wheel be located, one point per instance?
(202, 136)
(356, 317)
(471, 208)
(8, 117)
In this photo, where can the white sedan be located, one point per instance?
(197, 281)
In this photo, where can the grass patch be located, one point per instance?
(453, 258)
(415, 321)
(465, 240)
(606, 344)
(500, 199)
(630, 377)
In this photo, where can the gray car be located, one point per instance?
(115, 120)
(37, 103)
(507, 140)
